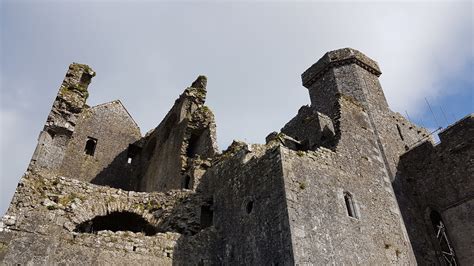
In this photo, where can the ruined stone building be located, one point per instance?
(346, 181)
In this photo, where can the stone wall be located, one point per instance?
(113, 130)
(316, 183)
(187, 131)
(249, 206)
(41, 225)
(311, 129)
(439, 178)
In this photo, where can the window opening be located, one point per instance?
(447, 252)
(207, 214)
(193, 142)
(132, 152)
(85, 79)
(249, 206)
(400, 132)
(91, 144)
(350, 206)
(187, 182)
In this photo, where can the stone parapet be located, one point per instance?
(336, 58)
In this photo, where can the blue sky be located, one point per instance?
(146, 52)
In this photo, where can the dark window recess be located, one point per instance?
(85, 79)
(446, 254)
(350, 206)
(52, 134)
(193, 142)
(91, 144)
(249, 206)
(207, 214)
(132, 152)
(117, 221)
(400, 132)
(187, 182)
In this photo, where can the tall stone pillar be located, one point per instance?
(69, 103)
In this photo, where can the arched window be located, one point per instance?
(446, 253)
(91, 143)
(350, 205)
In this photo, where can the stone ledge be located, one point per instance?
(337, 58)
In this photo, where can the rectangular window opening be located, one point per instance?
(91, 144)
(132, 151)
(350, 205)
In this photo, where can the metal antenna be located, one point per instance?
(453, 117)
(408, 116)
(444, 115)
(431, 110)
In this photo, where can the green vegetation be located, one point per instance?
(51, 207)
(66, 200)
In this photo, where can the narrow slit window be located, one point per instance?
(187, 182)
(400, 132)
(350, 206)
(207, 214)
(91, 144)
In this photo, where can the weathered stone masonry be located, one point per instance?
(317, 192)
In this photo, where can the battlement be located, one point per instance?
(459, 131)
(337, 58)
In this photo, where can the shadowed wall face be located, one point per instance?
(439, 179)
(187, 133)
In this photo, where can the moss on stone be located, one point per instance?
(51, 207)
